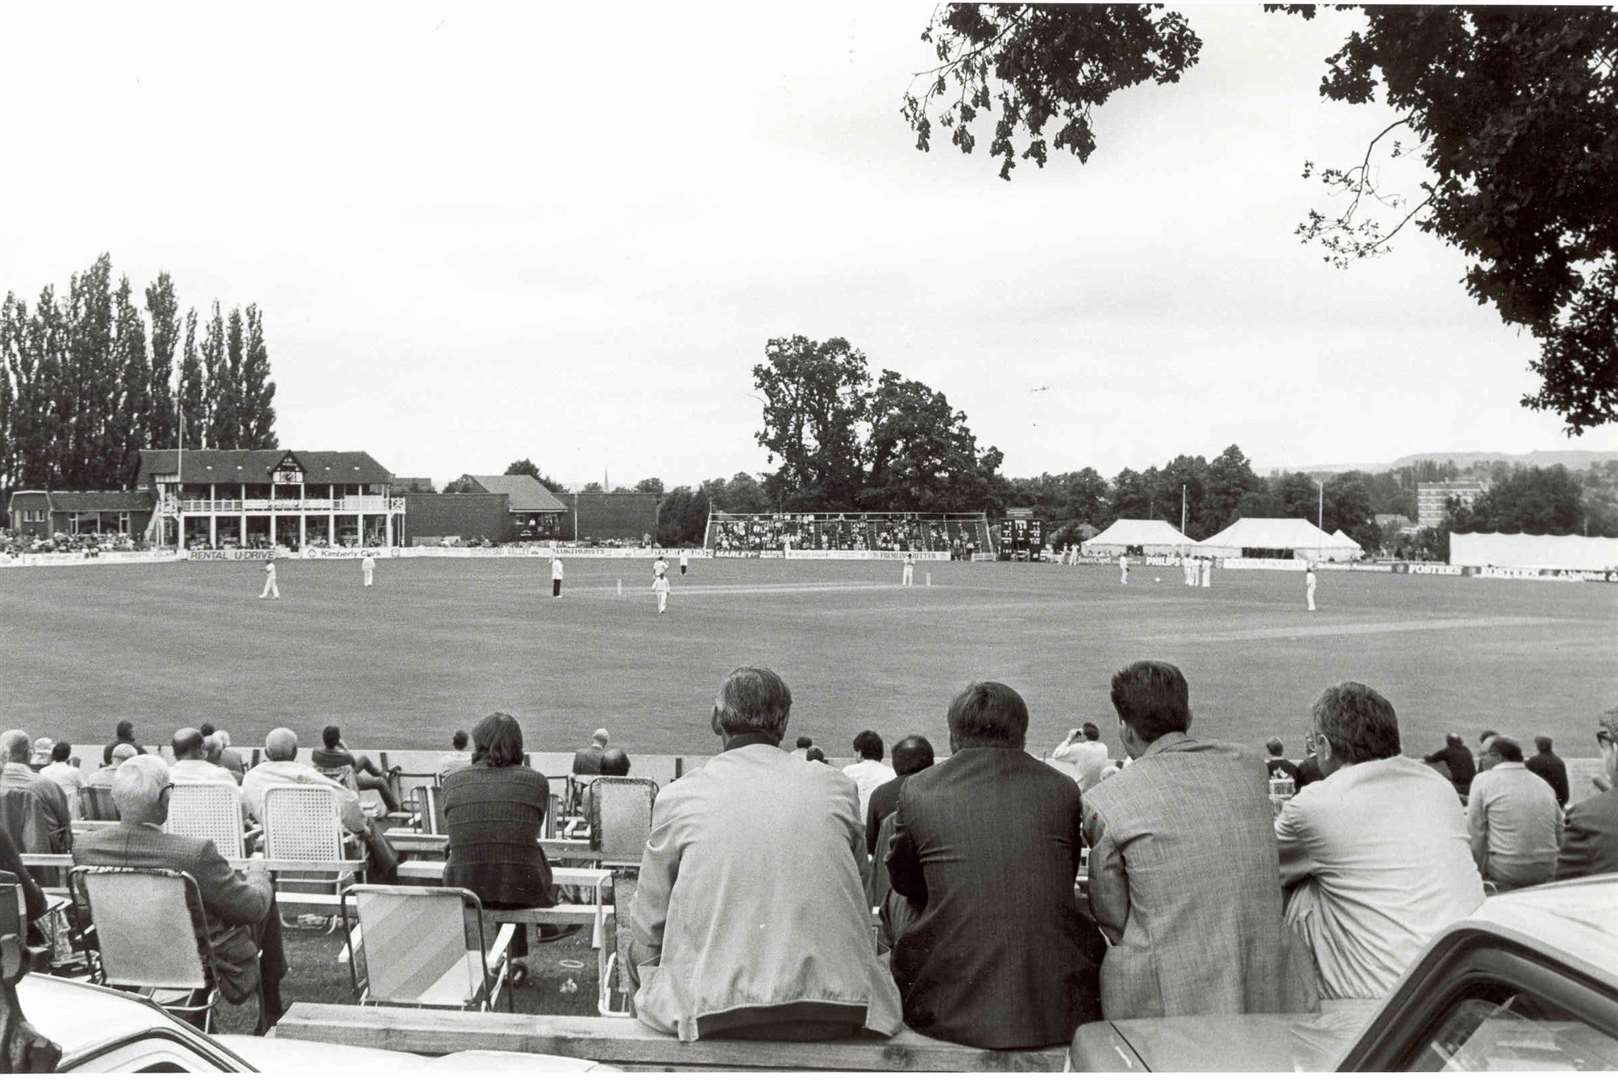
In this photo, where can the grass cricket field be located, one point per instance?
(438, 643)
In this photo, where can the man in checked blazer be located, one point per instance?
(236, 904)
(1184, 872)
(993, 951)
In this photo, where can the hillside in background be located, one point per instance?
(1573, 459)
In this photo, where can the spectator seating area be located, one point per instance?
(850, 532)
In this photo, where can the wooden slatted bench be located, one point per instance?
(630, 1044)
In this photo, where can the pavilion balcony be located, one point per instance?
(348, 504)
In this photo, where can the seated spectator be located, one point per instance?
(191, 765)
(800, 747)
(868, 772)
(241, 909)
(494, 809)
(102, 777)
(1487, 736)
(734, 933)
(1549, 768)
(11, 861)
(228, 759)
(65, 775)
(1084, 751)
(1514, 820)
(1279, 766)
(367, 777)
(911, 754)
(990, 949)
(34, 809)
(816, 754)
(41, 756)
(1590, 840)
(1183, 866)
(1458, 759)
(587, 762)
(614, 762)
(280, 766)
(123, 734)
(1377, 852)
(1309, 768)
(458, 757)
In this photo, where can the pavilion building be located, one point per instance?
(253, 498)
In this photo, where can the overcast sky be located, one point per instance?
(480, 233)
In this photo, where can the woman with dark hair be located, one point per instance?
(494, 809)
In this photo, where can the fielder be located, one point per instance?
(1205, 572)
(660, 568)
(1188, 570)
(661, 587)
(685, 560)
(1123, 569)
(1309, 588)
(556, 575)
(271, 592)
(368, 568)
(910, 569)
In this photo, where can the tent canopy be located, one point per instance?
(1274, 536)
(1347, 539)
(1152, 537)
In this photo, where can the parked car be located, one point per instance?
(1528, 981)
(105, 1030)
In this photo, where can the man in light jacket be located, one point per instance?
(736, 934)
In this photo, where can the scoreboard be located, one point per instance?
(1022, 538)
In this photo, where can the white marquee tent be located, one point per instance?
(1152, 537)
(1525, 550)
(1359, 551)
(1271, 537)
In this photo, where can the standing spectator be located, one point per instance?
(556, 575)
(1376, 853)
(1279, 766)
(459, 757)
(32, 808)
(494, 809)
(911, 754)
(735, 933)
(989, 947)
(1183, 866)
(123, 733)
(1085, 752)
(367, 777)
(1458, 759)
(240, 906)
(868, 773)
(191, 765)
(1549, 768)
(65, 775)
(1514, 820)
(1590, 841)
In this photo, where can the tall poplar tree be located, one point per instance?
(193, 389)
(163, 309)
(258, 391)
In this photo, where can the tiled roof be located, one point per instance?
(527, 495)
(255, 466)
(84, 502)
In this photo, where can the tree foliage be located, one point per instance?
(844, 444)
(526, 467)
(1513, 110)
(86, 381)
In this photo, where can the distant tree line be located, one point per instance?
(87, 380)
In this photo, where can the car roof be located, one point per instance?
(1255, 1042)
(1571, 921)
(78, 1016)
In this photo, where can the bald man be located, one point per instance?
(240, 905)
(280, 766)
(44, 827)
(191, 764)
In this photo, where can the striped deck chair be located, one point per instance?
(413, 945)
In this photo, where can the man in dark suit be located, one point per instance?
(587, 762)
(240, 907)
(986, 849)
(911, 754)
(1458, 759)
(1549, 768)
(1590, 839)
